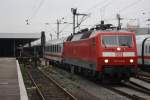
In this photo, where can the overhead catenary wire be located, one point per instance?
(125, 8)
(91, 8)
(37, 9)
(129, 6)
(96, 5)
(106, 4)
(35, 12)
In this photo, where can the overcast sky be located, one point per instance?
(13, 14)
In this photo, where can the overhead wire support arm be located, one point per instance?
(74, 12)
(58, 26)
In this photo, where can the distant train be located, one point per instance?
(143, 48)
(97, 52)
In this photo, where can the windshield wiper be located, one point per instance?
(104, 44)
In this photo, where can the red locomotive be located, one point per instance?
(98, 53)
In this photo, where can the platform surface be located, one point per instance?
(9, 80)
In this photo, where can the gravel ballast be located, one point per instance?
(81, 88)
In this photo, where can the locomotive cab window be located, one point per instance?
(120, 40)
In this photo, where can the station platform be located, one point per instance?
(11, 82)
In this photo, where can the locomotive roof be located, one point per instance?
(111, 31)
(78, 36)
(91, 33)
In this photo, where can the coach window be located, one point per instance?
(52, 48)
(146, 49)
(48, 48)
(149, 49)
(56, 48)
(59, 49)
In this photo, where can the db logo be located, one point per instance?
(119, 54)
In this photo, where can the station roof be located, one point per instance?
(20, 35)
(20, 38)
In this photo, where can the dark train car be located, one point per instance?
(31, 51)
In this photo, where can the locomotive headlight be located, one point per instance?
(118, 49)
(131, 60)
(106, 60)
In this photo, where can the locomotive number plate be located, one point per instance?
(119, 54)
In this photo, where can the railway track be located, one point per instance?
(130, 90)
(144, 76)
(47, 88)
(129, 93)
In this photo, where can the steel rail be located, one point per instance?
(66, 93)
(137, 87)
(64, 90)
(143, 78)
(133, 97)
(37, 88)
